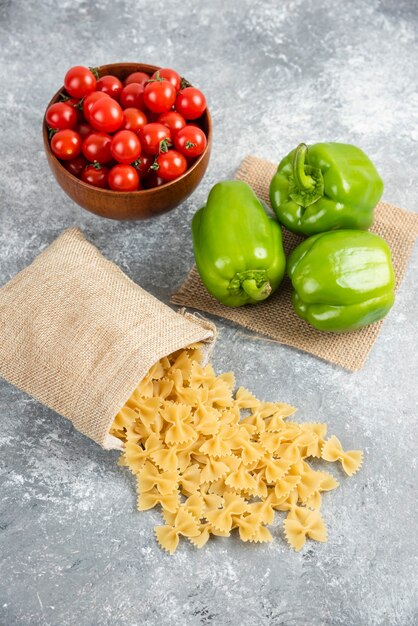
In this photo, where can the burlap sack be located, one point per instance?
(78, 335)
(275, 317)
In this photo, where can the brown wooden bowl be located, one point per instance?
(132, 205)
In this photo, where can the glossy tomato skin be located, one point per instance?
(96, 176)
(97, 147)
(79, 81)
(171, 165)
(76, 166)
(72, 102)
(106, 115)
(61, 116)
(84, 130)
(66, 144)
(133, 119)
(90, 100)
(171, 75)
(151, 136)
(75, 104)
(190, 141)
(123, 178)
(132, 96)
(191, 103)
(110, 85)
(143, 164)
(125, 147)
(159, 96)
(136, 77)
(173, 120)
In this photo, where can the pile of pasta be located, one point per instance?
(214, 462)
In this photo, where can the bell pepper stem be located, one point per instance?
(303, 180)
(256, 293)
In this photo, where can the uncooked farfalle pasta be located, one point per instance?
(215, 462)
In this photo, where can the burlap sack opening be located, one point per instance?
(78, 335)
(275, 318)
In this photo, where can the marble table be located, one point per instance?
(73, 549)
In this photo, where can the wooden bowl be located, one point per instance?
(133, 205)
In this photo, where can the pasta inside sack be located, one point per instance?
(215, 462)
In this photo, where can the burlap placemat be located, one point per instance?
(275, 317)
(78, 335)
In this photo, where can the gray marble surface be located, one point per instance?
(73, 549)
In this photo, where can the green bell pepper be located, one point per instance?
(237, 246)
(342, 280)
(327, 186)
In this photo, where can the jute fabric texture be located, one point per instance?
(78, 335)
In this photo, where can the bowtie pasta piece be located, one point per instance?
(135, 455)
(222, 519)
(195, 504)
(150, 499)
(251, 528)
(241, 480)
(302, 523)
(351, 461)
(319, 432)
(163, 388)
(179, 416)
(245, 399)
(199, 376)
(166, 458)
(309, 483)
(285, 485)
(216, 446)
(211, 469)
(184, 524)
(190, 479)
(150, 476)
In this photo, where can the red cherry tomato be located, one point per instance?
(133, 119)
(106, 115)
(79, 81)
(153, 180)
(61, 116)
(90, 100)
(110, 85)
(123, 178)
(84, 130)
(143, 164)
(66, 144)
(170, 75)
(190, 141)
(97, 147)
(96, 175)
(125, 147)
(72, 102)
(154, 138)
(76, 166)
(75, 104)
(137, 77)
(171, 165)
(159, 95)
(173, 120)
(132, 96)
(191, 103)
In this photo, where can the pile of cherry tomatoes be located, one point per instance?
(126, 136)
